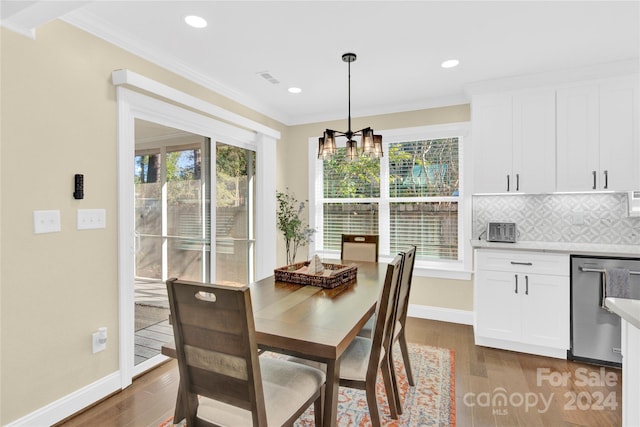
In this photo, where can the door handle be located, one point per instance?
(521, 263)
(526, 284)
(516, 283)
(606, 179)
(518, 181)
(594, 180)
(507, 182)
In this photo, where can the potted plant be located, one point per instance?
(296, 233)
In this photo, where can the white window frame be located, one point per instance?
(455, 269)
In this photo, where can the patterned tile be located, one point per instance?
(548, 217)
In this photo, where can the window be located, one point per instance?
(412, 195)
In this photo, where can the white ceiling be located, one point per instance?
(400, 46)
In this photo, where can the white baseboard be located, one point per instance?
(70, 404)
(451, 315)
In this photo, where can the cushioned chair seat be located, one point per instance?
(367, 329)
(355, 360)
(286, 386)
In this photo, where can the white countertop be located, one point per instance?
(627, 309)
(596, 249)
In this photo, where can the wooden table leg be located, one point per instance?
(331, 394)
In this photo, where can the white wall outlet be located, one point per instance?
(89, 219)
(46, 221)
(99, 340)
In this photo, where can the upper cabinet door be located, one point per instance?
(598, 145)
(491, 118)
(577, 138)
(534, 141)
(619, 151)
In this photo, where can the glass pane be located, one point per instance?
(427, 168)
(149, 257)
(185, 258)
(186, 216)
(432, 227)
(148, 205)
(235, 193)
(351, 179)
(348, 218)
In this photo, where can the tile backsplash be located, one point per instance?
(557, 217)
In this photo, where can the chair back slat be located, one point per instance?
(214, 333)
(409, 258)
(359, 247)
(383, 329)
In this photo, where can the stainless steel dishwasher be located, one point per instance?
(595, 332)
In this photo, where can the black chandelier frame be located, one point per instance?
(371, 143)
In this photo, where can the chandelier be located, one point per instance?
(371, 144)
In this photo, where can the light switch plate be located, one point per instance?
(46, 221)
(89, 219)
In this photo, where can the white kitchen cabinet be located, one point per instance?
(514, 140)
(492, 117)
(534, 141)
(522, 301)
(597, 136)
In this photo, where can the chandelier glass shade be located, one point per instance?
(371, 144)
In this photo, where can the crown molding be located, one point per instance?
(425, 104)
(569, 75)
(17, 28)
(94, 25)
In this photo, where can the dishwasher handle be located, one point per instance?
(602, 270)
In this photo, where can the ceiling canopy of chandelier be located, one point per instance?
(371, 144)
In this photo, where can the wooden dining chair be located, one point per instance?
(361, 361)
(359, 247)
(223, 381)
(401, 309)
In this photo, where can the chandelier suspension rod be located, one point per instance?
(349, 133)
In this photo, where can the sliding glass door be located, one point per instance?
(174, 186)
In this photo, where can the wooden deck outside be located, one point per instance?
(152, 328)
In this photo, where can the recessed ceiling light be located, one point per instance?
(295, 90)
(195, 21)
(450, 63)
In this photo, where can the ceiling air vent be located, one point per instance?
(268, 77)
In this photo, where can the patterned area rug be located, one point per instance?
(430, 403)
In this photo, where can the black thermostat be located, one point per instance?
(79, 187)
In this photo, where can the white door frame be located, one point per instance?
(135, 105)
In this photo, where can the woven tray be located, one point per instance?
(343, 274)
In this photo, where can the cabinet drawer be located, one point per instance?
(523, 262)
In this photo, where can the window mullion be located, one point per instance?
(384, 218)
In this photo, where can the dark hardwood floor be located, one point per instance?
(493, 388)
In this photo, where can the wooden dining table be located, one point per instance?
(313, 322)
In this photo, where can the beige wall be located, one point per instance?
(293, 173)
(59, 118)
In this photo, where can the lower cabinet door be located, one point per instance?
(545, 310)
(498, 305)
